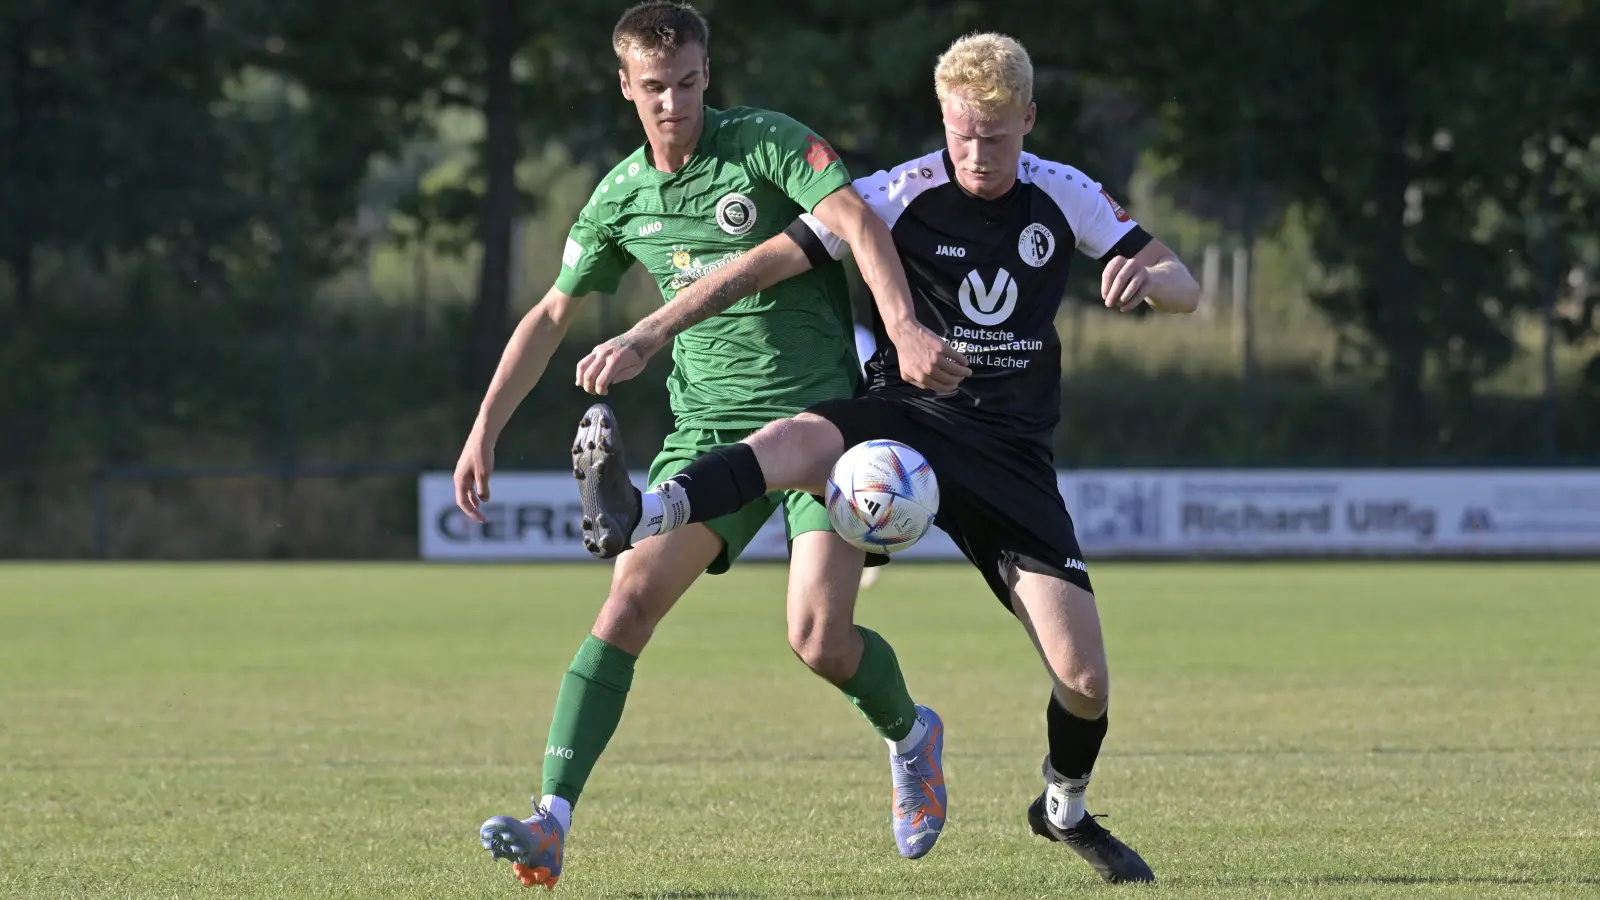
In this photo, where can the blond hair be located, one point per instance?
(990, 72)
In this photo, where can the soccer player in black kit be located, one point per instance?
(986, 234)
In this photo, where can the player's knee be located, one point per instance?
(817, 437)
(629, 616)
(1084, 689)
(807, 639)
(822, 643)
(797, 453)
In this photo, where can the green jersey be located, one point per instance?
(772, 354)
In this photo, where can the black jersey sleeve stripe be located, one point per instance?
(1129, 244)
(802, 234)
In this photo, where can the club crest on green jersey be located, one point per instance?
(736, 213)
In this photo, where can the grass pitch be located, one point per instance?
(317, 731)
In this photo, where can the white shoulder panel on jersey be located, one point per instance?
(1097, 221)
(888, 194)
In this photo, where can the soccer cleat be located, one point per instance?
(919, 791)
(1115, 861)
(534, 846)
(611, 505)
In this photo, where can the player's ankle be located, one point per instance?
(651, 519)
(912, 740)
(558, 808)
(663, 508)
(1063, 797)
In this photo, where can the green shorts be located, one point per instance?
(802, 512)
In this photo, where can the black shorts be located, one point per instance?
(998, 501)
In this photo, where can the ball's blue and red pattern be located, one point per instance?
(882, 496)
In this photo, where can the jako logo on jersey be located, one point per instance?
(1036, 245)
(736, 213)
(988, 297)
(947, 250)
(652, 228)
(563, 752)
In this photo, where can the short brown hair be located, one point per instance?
(659, 27)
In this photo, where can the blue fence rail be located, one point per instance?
(106, 478)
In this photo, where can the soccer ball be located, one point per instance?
(882, 496)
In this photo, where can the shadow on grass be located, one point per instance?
(690, 895)
(1506, 881)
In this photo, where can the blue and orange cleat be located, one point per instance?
(534, 846)
(919, 792)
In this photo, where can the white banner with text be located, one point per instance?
(1143, 512)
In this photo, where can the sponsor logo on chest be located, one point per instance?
(691, 268)
(987, 302)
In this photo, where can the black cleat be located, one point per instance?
(611, 506)
(1115, 861)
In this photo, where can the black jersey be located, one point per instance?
(988, 276)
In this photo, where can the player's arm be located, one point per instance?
(591, 262)
(1139, 268)
(626, 355)
(777, 259)
(843, 218)
(925, 359)
(1154, 275)
(527, 353)
(790, 156)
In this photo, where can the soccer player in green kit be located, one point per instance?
(707, 186)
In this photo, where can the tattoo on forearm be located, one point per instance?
(674, 318)
(628, 340)
(730, 292)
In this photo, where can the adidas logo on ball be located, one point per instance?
(882, 496)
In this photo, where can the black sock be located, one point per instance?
(1074, 742)
(722, 482)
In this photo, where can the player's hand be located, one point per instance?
(928, 362)
(472, 474)
(613, 362)
(1123, 284)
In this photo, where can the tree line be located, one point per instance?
(1444, 157)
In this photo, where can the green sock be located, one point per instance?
(879, 690)
(587, 712)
